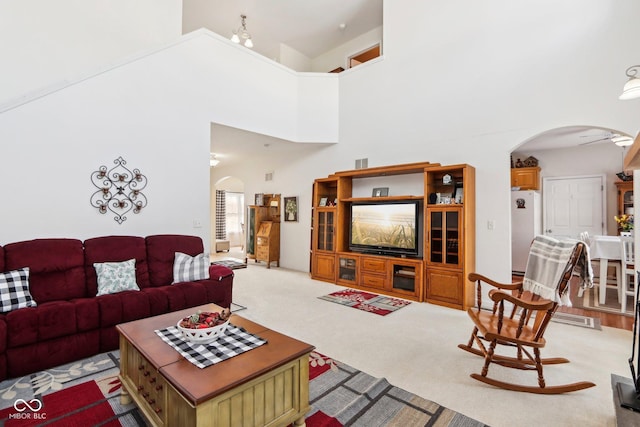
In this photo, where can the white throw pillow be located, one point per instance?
(188, 269)
(114, 277)
(14, 290)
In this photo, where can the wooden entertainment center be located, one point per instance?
(446, 196)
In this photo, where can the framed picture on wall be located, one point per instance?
(291, 209)
(259, 199)
(380, 192)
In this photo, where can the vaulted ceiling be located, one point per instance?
(312, 27)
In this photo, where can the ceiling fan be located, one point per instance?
(603, 137)
(616, 138)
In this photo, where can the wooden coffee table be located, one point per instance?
(266, 386)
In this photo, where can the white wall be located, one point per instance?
(47, 42)
(289, 57)
(156, 112)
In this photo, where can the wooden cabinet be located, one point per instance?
(325, 220)
(347, 269)
(446, 233)
(256, 216)
(444, 238)
(406, 278)
(450, 239)
(389, 275)
(323, 267)
(526, 178)
(445, 287)
(445, 282)
(625, 197)
(268, 243)
(327, 229)
(373, 272)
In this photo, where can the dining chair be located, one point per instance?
(613, 263)
(628, 271)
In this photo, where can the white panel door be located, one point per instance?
(573, 205)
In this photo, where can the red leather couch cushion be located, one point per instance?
(56, 267)
(115, 249)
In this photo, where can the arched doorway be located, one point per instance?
(227, 217)
(565, 154)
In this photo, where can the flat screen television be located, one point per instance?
(386, 228)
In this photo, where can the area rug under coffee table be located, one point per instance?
(87, 393)
(365, 301)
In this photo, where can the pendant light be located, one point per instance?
(241, 34)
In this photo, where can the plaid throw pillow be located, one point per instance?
(14, 290)
(187, 268)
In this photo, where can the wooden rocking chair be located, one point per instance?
(523, 329)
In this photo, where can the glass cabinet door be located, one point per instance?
(326, 230)
(435, 236)
(444, 236)
(452, 232)
(627, 202)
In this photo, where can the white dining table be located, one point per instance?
(605, 248)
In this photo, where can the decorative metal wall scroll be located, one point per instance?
(119, 190)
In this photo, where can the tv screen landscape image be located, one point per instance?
(385, 227)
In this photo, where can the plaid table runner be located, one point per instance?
(234, 341)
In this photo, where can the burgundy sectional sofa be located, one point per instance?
(70, 322)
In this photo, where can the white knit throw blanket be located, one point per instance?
(548, 258)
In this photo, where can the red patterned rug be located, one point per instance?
(79, 394)
(378, 304)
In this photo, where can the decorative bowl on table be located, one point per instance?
(204, 327)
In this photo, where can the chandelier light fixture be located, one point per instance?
(631, 89)
(241, 34)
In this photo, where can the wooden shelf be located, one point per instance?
(441, 205)
(388, 170)
(381, 199)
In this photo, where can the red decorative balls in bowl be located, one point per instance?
(204, 327)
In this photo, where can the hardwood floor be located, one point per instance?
(606, 319)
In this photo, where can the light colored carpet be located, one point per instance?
(416, 349)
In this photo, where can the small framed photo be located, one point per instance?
(323, 201)
(291, 209)
(380, 192)
(259, 199)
